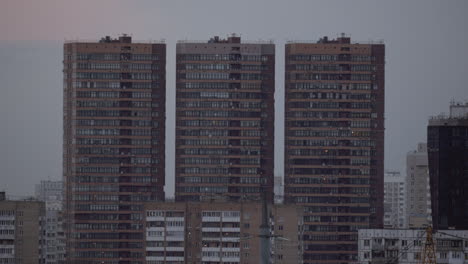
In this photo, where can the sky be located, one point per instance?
(426, 63)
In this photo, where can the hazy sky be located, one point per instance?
(427, 62)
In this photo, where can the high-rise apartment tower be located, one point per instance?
(394, 200)
(418, 195)
(447, 148)
(225, 119)
(114, 136)
(334, 146)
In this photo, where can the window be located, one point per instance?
(417, 243)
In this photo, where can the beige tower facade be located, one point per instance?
(418, 195)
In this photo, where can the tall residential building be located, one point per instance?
(224, 119)
(53, 249)
(114, 136)
(21, 231)
(417, 188)
(447, 147)
(49, 190)
(221, 232)
(394, 200)
(405, 246)
(334, 147)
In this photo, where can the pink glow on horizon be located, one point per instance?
(29, 20)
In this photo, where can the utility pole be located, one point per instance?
(265, 233)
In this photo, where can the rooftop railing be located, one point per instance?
(94, 41)
(186, 41)
(367, 42)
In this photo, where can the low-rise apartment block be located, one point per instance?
(405, 246)
(20, 231)
(220, 232)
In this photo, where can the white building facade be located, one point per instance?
(7, 236)
(405, 246)
(165, 236)
(221, 228)
(394, 200)
(51, 192)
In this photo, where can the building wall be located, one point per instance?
(51, 192)
(418, 191)
(20, 232)
(405, 246)
(165, 233)
(219, 232)
(447, 148)
(287, 227)
(459, 109)
(54, 237)
(334, 147)
(394, 200)
(224, 119)
(114, 145)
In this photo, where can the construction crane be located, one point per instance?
(428, 255)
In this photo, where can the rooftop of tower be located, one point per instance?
(341, 39)
(122, 39)
(230, 39)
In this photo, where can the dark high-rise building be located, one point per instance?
(224, 119)
(447, 147)
(334, 146)
(114, 136)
